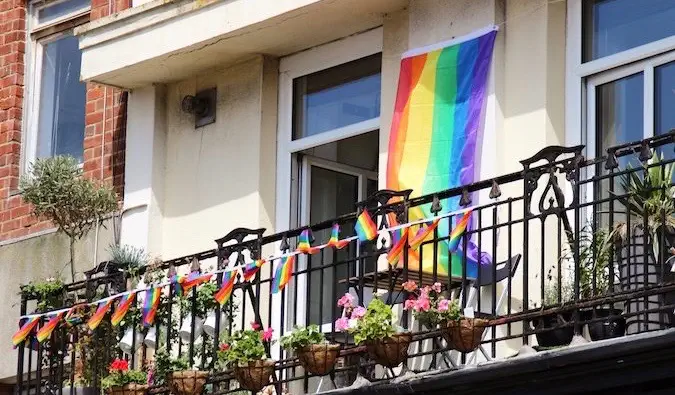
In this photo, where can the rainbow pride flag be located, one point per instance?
(225, 291)
(101, 311)
(47, 329)
(122, 308)
(304, 243)
(150, 306)
(334, 240)
(365, 227)
(433, 144)
(251, 269)
(25, 330)
(283, 273)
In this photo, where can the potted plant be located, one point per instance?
(373, 327)
(124, 381)
(594, 280)
(648, 197)
(552, 328)
(244, 353)
(50, 293)
(176, 373)
(317, 356)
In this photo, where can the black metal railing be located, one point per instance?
(566, 246)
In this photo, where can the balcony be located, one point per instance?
(562, 252)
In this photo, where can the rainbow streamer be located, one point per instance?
(122, 308)
(194, 279)
(365, 228)
(150, 306)
(101, 311)
(47, 329)
(252, 268)
(434, 133)
(423, 233)
(25, 330)
(179, 280)
(304, 243)
(396, 251)
(458, 231)
(225, 291)
(334, 240)
(283, 273)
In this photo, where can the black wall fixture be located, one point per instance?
(202, 105)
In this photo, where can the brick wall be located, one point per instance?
(103, 142)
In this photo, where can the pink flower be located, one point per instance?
(267, 334)
(409, 304)
(443, 305)
(359, 312)
(224, 347)
(436, 287)
(342, 324)
(422, 304)
(424, 292)
(255, 325)
(410, 286)
(346, 301)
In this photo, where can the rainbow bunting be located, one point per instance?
(458, 231)
(422, 233)
(122, 308)
(101, 311)
(304, 243)
(398, 245)
(73, 316)
(150, 305)
(225, 291)
(47, 329)
(283, 273)
(194, 279)
(334, 240)
(25, 330)
(435, 129)
(178, 279)
(365, 228)
(252, 268)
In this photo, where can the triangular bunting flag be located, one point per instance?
(365, 227)
(74, 315)
(122, 308)
(283, 273)
(396, 251)
(47, 329)
(150, 306)
(223, 295)
(304, 243)
(252, 268)
(101, 311)
(194, 279)
(422, 233)
(178, 279)
(25, 330)
(458, 231)
(335, 241)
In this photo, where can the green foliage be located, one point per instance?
(120, 375)
(130, 258)
(205, 301)
(165, 364)
(49, 294)
(241, 348)
(302, 337)
(57, 191)
(376, 323)
(594, 260)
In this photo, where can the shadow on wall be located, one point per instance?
(37, 258)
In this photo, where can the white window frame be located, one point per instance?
(33, 73)
(581, 77)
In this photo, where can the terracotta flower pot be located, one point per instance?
(391, 351)
(254, 376)
(129, 389)
(319, 359)
(187, 382)
(464, 335)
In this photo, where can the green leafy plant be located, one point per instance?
(129, 258)
(375, 324)
(594, 261)
(165, 364)
(244, 346)
(57, 191)
(120, 375)
(205, 301)
(429, 304)
(302, 337)
(50, 293)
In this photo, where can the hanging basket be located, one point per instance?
(129, 389)
(254, 376)
(319, 359)
(391, 351)
(187, 382)
(464, 335)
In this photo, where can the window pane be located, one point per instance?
(336, 97)
(62, 100)
(619, 112)
(612, 26)
(54, 11)
(664, 102)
